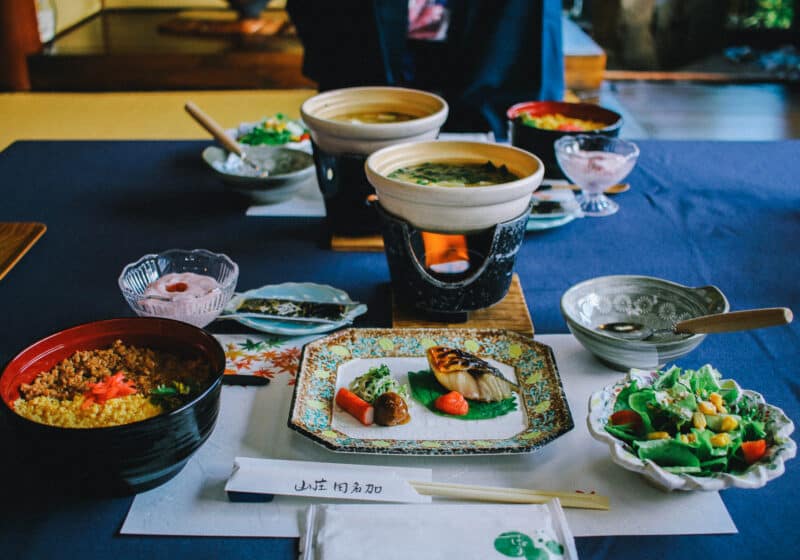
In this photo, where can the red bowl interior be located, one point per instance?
(164, 334)
(585, 111)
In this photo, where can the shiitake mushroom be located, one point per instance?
(390, 410)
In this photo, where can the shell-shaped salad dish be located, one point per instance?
(771, 421)
(533, 415)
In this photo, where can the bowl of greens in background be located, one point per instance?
(691, 430)
(277, 130)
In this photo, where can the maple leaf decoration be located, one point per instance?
(251, 345)
(267, 355)
(244, 363)
(232, 353)
(287, 361)
(264, 372)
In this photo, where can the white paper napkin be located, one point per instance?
(307, 202)
(433, 532)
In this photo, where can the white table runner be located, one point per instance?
(253, 423)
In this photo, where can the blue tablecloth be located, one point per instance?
(723, 213)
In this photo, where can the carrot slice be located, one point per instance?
(357, 407)
(111, 387)
(452, 403)
(753, 450)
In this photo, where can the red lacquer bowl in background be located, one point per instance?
(539, 141)
(119, 459)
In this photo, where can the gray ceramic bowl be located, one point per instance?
(655, 303)
(289, 170)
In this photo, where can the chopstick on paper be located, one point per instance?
(509, 495)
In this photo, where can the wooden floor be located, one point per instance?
(124, 50)
(682, 111)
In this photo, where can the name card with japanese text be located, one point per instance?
(326, 480)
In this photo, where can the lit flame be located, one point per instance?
(445, 253)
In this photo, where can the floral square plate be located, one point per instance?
(539, 413)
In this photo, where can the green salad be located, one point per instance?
(275, 131)
(691, 421)
(375, 382)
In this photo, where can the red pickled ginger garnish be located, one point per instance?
(111, 387)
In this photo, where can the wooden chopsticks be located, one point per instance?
(509, 495)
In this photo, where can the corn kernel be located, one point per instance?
(699, 420)
(684, 438)
(707, 408)
(720, 440)
(716, 399)
(692, 438)
(658, 435)
(728, 423)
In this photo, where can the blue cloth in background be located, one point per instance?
(722, 213)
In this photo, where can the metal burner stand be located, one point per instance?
(440, 299)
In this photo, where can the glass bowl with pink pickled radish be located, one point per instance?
(594, 163)
(192, 286)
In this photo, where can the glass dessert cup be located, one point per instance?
(594, 163)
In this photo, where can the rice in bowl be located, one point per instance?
(110, 387)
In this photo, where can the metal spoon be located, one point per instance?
(719, 322)
(222, 137)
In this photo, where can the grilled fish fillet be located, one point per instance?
(466, 373)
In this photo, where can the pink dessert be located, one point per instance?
(185, 296)
(595, 170)
(179, 286)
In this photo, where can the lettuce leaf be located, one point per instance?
(667, 453)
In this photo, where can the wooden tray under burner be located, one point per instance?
(357, 244)
(510, 313)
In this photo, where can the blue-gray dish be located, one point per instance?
(296, 291)
(655, 303)
(121, 459)
(288, 171)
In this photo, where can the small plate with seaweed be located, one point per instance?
(294, 308)
(520, 405)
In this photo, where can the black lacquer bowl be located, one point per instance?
(123, 459)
